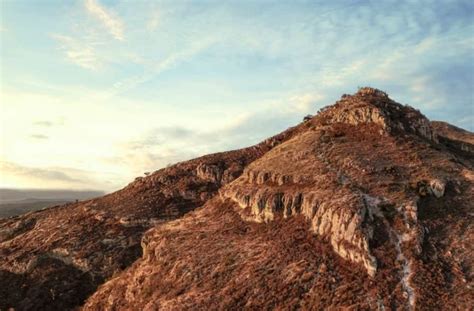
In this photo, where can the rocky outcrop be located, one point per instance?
(219, 173)
(212, 173)
(344, 220)
(8, 232)
(371, 105)
(454, 137)
(456, 144)
(437, 187)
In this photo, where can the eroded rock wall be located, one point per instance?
(344, 220)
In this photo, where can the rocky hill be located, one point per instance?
(366, 206)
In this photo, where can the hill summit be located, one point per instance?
(365, 206)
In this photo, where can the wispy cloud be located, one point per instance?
(306, 102)
(39, 136)
(154, 21)
(154, 69)
(44, 174)
(79, 52)
(160, 135)
(54, 177)
(109, 19)
(84, 45)
(43, 123)
(59, 121)
(163, 145)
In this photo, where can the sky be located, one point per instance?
(96, 92)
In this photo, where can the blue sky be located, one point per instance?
(96, 92)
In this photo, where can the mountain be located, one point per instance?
(15, 195)
(19, 201)
(27, 205)
(366, 206)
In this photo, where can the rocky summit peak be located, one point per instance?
(370, 91)
(373, 106)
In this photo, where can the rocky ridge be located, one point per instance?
(346, 218)
(367, 177)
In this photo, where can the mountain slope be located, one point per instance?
(55, 258)
(364, 206)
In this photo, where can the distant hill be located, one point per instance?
(15, 202)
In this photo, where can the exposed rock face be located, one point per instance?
(370, 105)
(437, 187)
(362, 207)
(454, 137)
(343, 219)
(212, 173)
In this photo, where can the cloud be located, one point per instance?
(49, 123)
(161, 135)
(79, 52)
(425, 45)
(111, 22)
(43, 123)
(21, 176)
(466, 122)
(154, 21)
(84, 46)
(305, 103)
(39, 136)
(10, 168)
(161, 146)
(153, 70)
